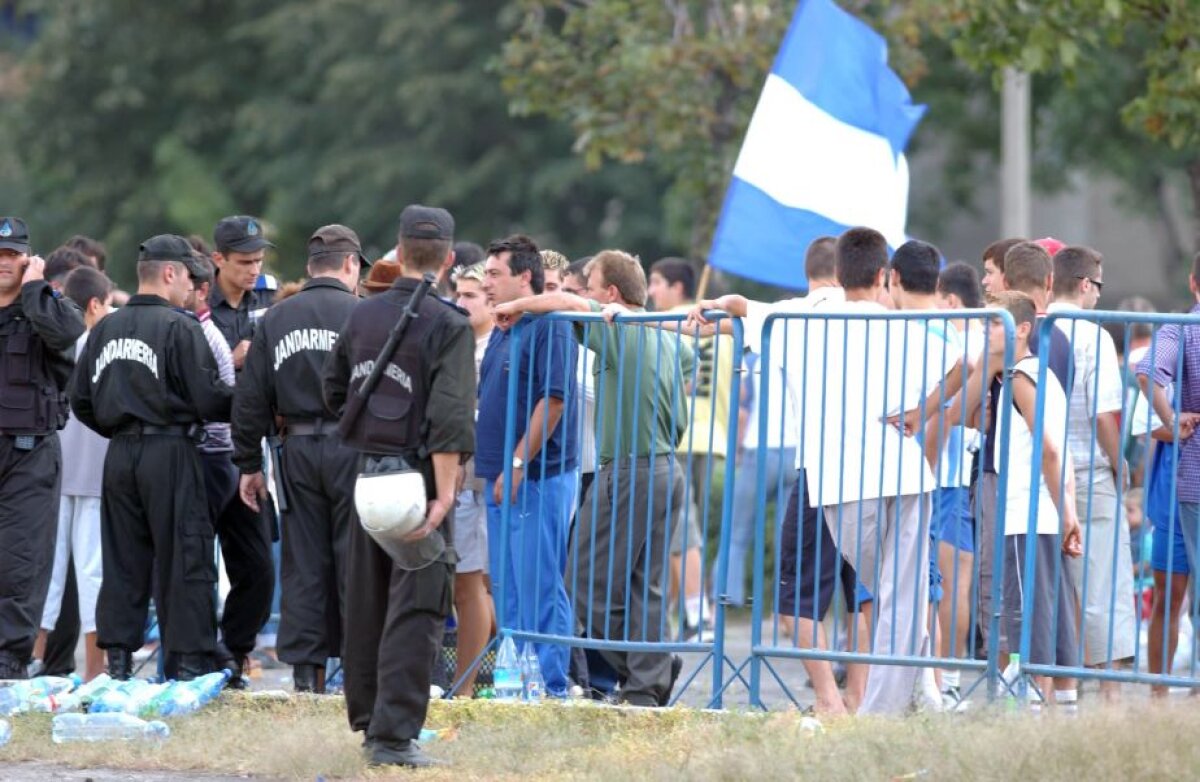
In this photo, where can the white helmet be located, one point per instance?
(392, 504)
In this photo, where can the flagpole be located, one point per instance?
(702, 286)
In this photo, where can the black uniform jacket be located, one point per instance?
(425, 400)
(282, 373)
(37, 315)
(147, 363)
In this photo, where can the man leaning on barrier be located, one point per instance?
(544, 460)
(636, 494)
(1103, 577)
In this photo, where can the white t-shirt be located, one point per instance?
(788, 351)
(954, 461)
(1097, 389)
(83, 451)
(1020, 458)
(857, 373)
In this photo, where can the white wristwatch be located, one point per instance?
(518, 463)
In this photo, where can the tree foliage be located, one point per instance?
(670, 83)
(136, 118)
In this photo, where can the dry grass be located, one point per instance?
(307, 739)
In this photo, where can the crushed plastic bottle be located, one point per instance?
(179, 698)
(533, 684)
(105, 727)
(506, 675)
(23, 696)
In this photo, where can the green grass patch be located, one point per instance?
(306, 738)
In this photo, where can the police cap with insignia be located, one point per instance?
(336, 239)
(240, 234)
(171, 248)
(426, 222)
(14, 234)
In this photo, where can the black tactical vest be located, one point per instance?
(30, 400)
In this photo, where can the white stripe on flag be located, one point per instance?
(804, 158)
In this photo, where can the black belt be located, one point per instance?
(308, 427)
(25, 442)
(137, 429)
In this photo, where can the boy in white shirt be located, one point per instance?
(83, 453)
(1053, 598)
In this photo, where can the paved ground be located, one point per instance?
(48, 772)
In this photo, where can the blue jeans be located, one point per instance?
(779, 462)
(531, 570)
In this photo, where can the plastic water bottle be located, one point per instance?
(1012, 678)
(531, 675)
(105, 727)
(179, 698)
(23, 695)
(5, 732)
(506, 675)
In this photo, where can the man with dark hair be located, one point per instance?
(90, 248)
(545, 459)
(237, 300)
(282, 379)
(514, 261)
(77, 554)
(877, 504)
(820, 261)
(625, 518)
(61, 262)
(1093, 434)
(959, 287)
(575, 278)
(419, 417)
(38, 328)
(993, 264)
(466, 255)
(146, 379)
(914, 267)
(672, 283)
(809, 566)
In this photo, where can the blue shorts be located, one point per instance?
(952, 520)
(1169, 547)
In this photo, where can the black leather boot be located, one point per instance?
(120, 663)
(307, 677)
(193, 666)
(235, 663)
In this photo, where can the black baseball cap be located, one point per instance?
(426, 222)
(14, 234)
(336, 239)
(240, 234)
(172, 248)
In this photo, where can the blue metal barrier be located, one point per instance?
(1102, 594)
(889, 345)
(615, 571)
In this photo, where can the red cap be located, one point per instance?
(1050, 245)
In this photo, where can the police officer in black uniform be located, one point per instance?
(238, 300)
(423, 411)
(38, 330)
(282, 377)
(146, 379)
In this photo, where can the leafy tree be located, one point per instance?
(134, 119)
(1138, 61)
(671, 83)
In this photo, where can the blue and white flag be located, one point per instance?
(823, 152)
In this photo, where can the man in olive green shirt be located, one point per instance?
(625, 523)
